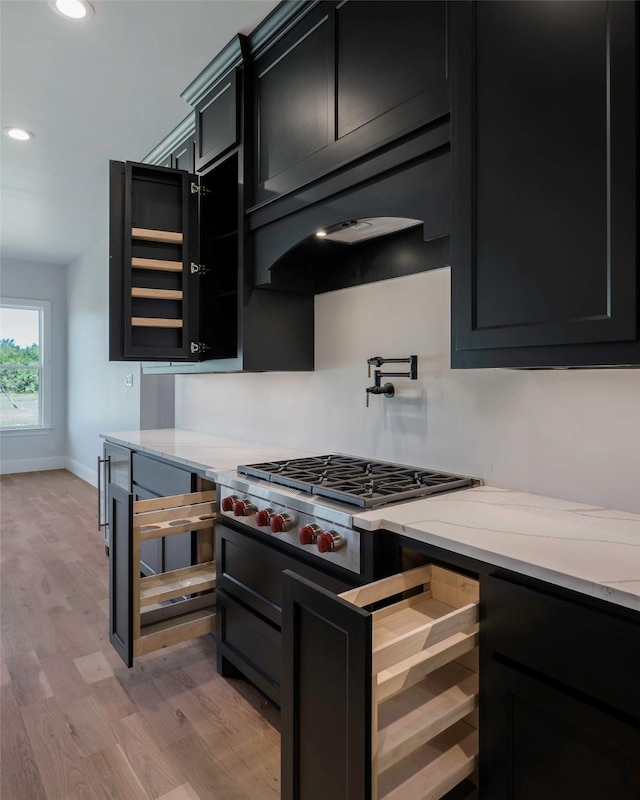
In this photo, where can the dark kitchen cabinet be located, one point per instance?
(183, 155)
(249, 591)
(180, 275)
(389, 684)
(217, 121)
(113, 467)
(560, 696)
(558, 703)
(346, 79)
(545, 187)
(153, 292)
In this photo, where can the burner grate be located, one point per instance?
(357, 481)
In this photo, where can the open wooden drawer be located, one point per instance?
(146, 614)
(380, 704)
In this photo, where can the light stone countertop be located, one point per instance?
(589, 549)
(204, 452)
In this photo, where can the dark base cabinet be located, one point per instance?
(249, 591)
(548, 744)
(382, 689)
(560, 698)
(558, 713)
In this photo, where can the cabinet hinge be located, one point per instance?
(199, 189)
(199, 347)
(199, 269)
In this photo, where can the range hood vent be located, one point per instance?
(359, 230)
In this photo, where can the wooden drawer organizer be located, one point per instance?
(425, 682)
(421, 656)
(162, 268)
(149, 613)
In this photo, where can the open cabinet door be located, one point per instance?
(326, 683)
(121, 563)
(153, 243)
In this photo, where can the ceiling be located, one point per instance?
(105, 87)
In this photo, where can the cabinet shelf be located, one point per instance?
(434, 769)
(157, 294)
(149, 235)
(173, 631)
(417, 715)
(155, 322)
(177, 583)
(158, 264)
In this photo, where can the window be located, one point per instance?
(24, 359)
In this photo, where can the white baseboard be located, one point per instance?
(82, 471)
(32, 464)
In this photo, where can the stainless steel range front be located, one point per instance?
(310, 503)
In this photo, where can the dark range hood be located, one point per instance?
(368, 204)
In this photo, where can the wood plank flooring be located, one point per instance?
(75, 723)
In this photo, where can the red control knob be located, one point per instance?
(263, 517)
(280, 523)
(226, 504)
(309, 534)
(243, 508)
(329, 541)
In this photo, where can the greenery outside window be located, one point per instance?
(24, 361)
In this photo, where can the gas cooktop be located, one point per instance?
(356, 481)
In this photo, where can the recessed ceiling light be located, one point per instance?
(72, 9)
(20, 134)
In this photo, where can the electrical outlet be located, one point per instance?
(128, 379)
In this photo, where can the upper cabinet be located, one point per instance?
(217, 121)
(545, 205)
(152, 246)
(346, 79)
(181, 266)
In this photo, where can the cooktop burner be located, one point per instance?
(356, 481)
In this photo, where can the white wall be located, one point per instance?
(98, 399)
(569, 434)
(33, 451)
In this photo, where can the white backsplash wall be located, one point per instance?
(570, 434)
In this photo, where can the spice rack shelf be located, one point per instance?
(149, 613)
(155, 322)
(157, 294)
(156, 306)
(156, 264)
(149, 235)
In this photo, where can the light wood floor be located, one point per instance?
(76, 724)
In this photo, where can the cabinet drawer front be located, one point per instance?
(587, 649)
(253, 641)
(252, 572)
(163, 479)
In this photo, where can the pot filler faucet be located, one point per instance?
(388, 389)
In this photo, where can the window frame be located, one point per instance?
(44, 368)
